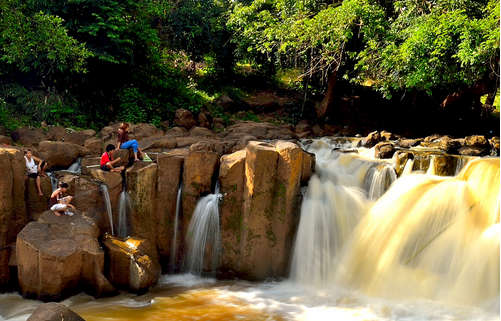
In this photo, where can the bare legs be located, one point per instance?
(39, 188)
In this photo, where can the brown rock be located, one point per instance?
(408, 143)
(186, 141)
(54, 312)
(159, 142)
(218, 125)
(384, 150)
(449, 145)
(204, 119)
(303, 127)
(36, 204)
(57, 254)
(168, 179)
(4, 140)
(201, 131)
(317, 130)
(308, 167)
(387, 136)
(141, 186)
(133, 263)
(472, 151)
(60, 154)
(56, 133)
(494, 141)
(79, 137)
(28, 136)
(143, 130)
(94, 145)
(372, 139)
(177, 132)
(225, 101)
(126, 157)
(232, 180)
(12, 207)
(184, 118)
(476, 141)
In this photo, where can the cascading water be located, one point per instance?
(427, 237)
(204, 237)
(173, 252)
(76, 167)
(431, 168)
(107, 202)
(380, 178)
(124, 207)
(53, 180)
(409, 164)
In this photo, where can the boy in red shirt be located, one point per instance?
(107, 163)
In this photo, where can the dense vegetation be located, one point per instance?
(86, 62)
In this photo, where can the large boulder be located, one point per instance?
(12, 207)
(184, 118)
(94, 145)
(79, 137)
(36, 204)
(28, 136)
(132, 263)
(205, 119)
(56, 133)
(4, 140)
(201, 132)
(54, 312)
(258, 130)
(59, 256)
(384, 150)
(476, 145)
(408, 143)
(372, 139)
(169, 173)
(60, 154)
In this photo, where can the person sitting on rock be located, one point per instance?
(107, 161)
(58, 194)
(63, 206)
(34, 170)
(123, 141)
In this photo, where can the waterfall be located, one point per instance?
(124, 207)
(409, 164)
(431, 168)
(426, 237)
(76, 167)
(173, 252)
(203, 237)
(460, 163)
(106, 195)
(54, 181)
(379, 179)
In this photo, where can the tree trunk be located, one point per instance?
(326, 105)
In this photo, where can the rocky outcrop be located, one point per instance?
(59, 256)
(12, 207)
(36, 204)
(28, 136)
(132, 263)
(60, 154)
(258, 130)
(372, 139)
(259, 211)
(184, 118)
(4, 140)
(54, 312)
(204, 119)
(141, 186)
(170, 167)
(384, 150)
(476, 145)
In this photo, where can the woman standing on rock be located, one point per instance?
(34, 170)
(123, 141)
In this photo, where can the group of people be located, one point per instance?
(58, 202)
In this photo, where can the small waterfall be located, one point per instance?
(54, 181)
(204, 234)
(76, 167)
(460, 163)
(106, 195)
(124, 207)
(380, 178)
(409, 164)
(173, 252)
(431, 167)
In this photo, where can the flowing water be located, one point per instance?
(423, 248)
(107, 202)
(173, 252)
(204, 237)
(76, 167)
(124, 207)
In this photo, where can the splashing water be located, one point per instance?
(76, 167)
(427, 238)
(173, 252)
(380, 178)
(124, 207)
(204, 237)
(107, 202)
(409, 164)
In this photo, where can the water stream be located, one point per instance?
(124, 207)
(173, 253)
(107, 202)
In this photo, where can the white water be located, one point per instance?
(76, 167)
(107, 202)
(380, 177)
(124, 207)
(204, 238)
(409, 164)
(173, 252)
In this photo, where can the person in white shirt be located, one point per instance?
(34, 169)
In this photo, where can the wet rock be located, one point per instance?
(449, 145)
(59, 256)
(204, 119)
(371, 140)
(4, 140)
(476, 145)
(28, 136)
(60, 154)
(408, 143)
(36, 204)
(308, 167)
(184, 118)
(303, 128)
(177, 131)
(387, 136)
(472, 151)
(54, 312)
(317, 130)
(231, 178)
(494, 142)
(12, 207)
(384, 150)
(132, 263)
(141, 186)
(169, 173)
